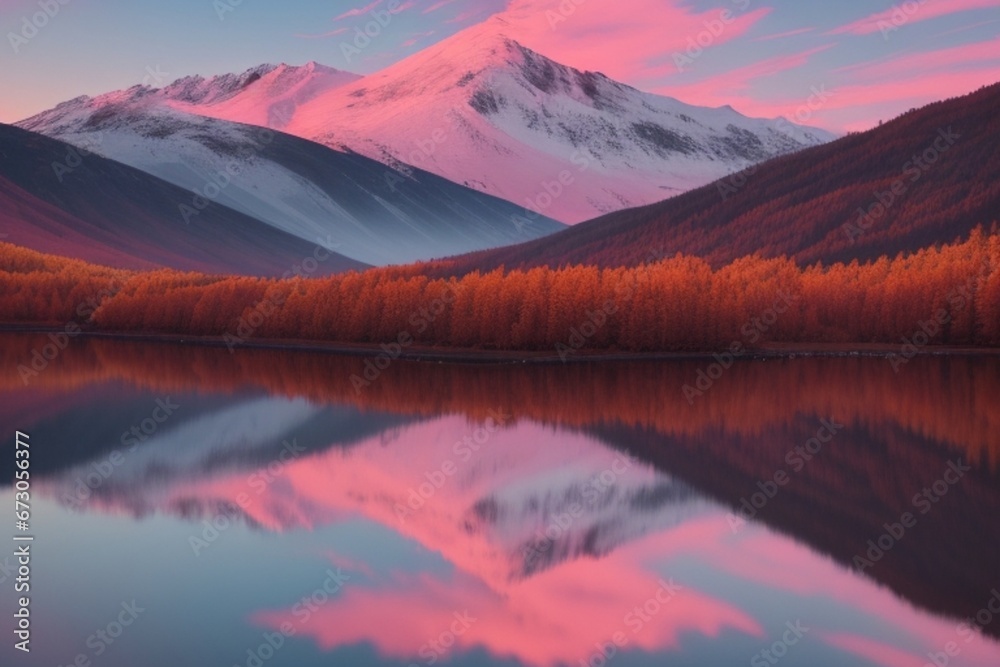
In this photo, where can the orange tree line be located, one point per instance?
(944, 295)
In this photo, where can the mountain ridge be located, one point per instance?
(514, 121)
(484, 111)
(862, 197)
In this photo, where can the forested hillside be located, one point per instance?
(925, 178)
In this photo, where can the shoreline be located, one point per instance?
(480, 356)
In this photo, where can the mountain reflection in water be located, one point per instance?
(512, 514)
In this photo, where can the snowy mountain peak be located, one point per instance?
(509, 119)
(199, 90)
(477, 57)
(267, 95)
(313, 66)
(471, 69)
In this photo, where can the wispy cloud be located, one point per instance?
(963, 28)
(737, 84)
(625, 39)
(466, 16)
(916, 65)
(759, 72)
(416, 37)
(438, 5)
(860, 106)
(900, 14)
(866, 92)
(359, 11)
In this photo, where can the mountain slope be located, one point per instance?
(480, 109)
(29, 221)
(806, 205)
(369, 212)
(55, 199)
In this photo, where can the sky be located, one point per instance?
(842, 65)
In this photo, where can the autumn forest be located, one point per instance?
(949, 295)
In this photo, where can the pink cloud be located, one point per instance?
(416, 37)
(359, 11)
(756, 557)
(898, 16)
(553, 620)
(971, 26)
(734, 86)
(878, 91)
(851, 107)
(465, 16)
(860, 95)
(625, 40)
(917, 65)
(860, 106)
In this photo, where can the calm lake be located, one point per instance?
(195, 507)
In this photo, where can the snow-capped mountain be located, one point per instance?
(358, 206)
(482, 110)
(267, 95)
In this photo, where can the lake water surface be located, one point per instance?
(193, 507)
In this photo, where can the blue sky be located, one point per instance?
(765, 58)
